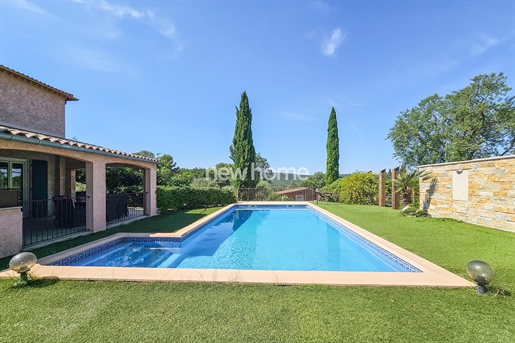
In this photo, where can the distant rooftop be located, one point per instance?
(68, 96)
(294, 190)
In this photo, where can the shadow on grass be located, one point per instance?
(35, 283)
(499, 291)
(169, 222)
(43, 283)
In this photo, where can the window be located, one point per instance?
(13, 177)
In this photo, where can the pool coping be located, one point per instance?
(431, 275)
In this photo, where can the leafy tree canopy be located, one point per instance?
(314, 181)
(263, 166)
(145, 153)
(166, 170)
(475, 122)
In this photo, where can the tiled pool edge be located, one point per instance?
(106, 242)
(381, 250)
(432, 275)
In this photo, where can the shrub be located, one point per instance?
(421, 213)
(409, 210)
(170, 198)
(359, 188)
(332, 192)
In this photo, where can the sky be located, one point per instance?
(167, 76)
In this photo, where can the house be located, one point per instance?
(38, 164)
(299, 194)
(480, 191)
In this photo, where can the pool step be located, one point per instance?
(166, 263)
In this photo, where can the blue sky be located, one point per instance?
(165, 76)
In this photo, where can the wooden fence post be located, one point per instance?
(395, 195)
(382, 193)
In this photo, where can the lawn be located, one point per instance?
(51, 311)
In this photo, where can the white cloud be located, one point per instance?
(27, 6)
(485, 43)
(120, 10)
(355, 128)
(162, 25)
(331, 44)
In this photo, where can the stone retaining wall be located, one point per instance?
(479, 191)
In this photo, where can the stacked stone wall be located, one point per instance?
(491, 192)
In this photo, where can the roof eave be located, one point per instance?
(67, 96)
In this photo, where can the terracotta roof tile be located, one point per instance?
(38, 137)
(68, 96)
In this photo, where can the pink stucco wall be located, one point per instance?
(26, 105)
(10, 231)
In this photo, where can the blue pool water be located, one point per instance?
(255, 238)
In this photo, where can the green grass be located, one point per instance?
(51, 311)
(448, 243)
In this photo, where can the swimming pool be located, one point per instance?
(280, 237)
(58, 266)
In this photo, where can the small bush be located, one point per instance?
(170, 198)
(421, 213)
(409, 210)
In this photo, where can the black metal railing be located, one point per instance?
(124, 206)
(49, 219)
(45, 220)
(264, 194)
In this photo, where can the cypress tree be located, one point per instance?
(333, 150)
(242, 149)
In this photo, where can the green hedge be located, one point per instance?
(170, 198)
(359, 188)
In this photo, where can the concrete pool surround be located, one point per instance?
(431, 275)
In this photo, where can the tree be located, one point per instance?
(333, 149)
(242, 149)
(475, 122)
(166, 170)
(223, 178)
(314, 181)
(263, 166)
(264, 185)
(292, 185)
(145, 153)
(407, 183)
(118, 179)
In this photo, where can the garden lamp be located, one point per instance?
(22, 263)
(482, 273)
